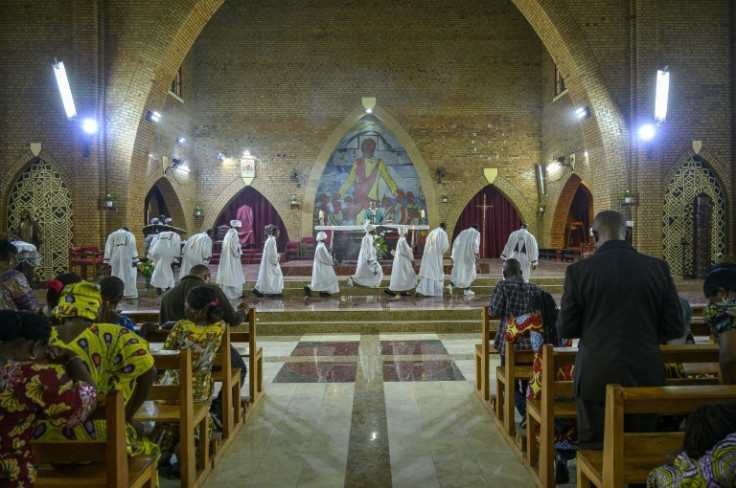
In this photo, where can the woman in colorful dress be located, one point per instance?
(540, 325)
(201, 332)
(111, 292)
(708, 456)
(53, 293)
(719, 288)
(117, 359)
(36, 382)
(15, 292)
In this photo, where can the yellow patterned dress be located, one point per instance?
(115, 357)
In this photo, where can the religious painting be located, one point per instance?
(369, 178)
(247, 167)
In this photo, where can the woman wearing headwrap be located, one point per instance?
(403, 276)
(201, 332)
(270, 279)
(117, 359)
(324, 279)
(37, 382)
(368, 272)
(15, 292)
(719, 288)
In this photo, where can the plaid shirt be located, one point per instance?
(511, 298)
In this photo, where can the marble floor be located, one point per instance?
(369, 410)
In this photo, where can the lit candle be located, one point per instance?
(422, 213)
(321, 216)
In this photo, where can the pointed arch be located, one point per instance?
(559, 218)
(173, 204)
(264, 212)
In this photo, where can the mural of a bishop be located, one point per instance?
(365, 175)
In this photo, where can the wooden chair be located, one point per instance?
(232, 417)
(292, 250)
(306, 246)
(189, 414)
(483, 353)
(556, 401)
(83, 258)
(255, 361)
(518, 366)
(629, 457)
(104, 463)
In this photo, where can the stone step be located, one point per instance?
(277, 328)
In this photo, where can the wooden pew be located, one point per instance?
(232, 417)
(140, 316)
(482, 357)
(195, 466)
(549, 407)
(518, 366)
(109, 463)
(255, 361)
(629, 457)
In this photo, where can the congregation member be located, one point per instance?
(403, 277)
(201, 332)
(163, 253)
(465, 253)
(708, 454)
(540, 327)
(324, 279)
(39, 383)
(197, 250)
(230, 270)
(368, 272)
(116, 358)
(522, 246)
(719, 288)
(53, 292)
(15, 292)
(111, 292)
(270, 278)
(511, 298)
(622, 305)
(432, 271)
(122, 255)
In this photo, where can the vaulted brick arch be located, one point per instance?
(173, 204)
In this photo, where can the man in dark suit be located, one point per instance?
(622, 305)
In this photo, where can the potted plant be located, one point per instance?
(627, 196)
(542, 207)
(444, 197)
(197, 211)
(293, 199)
(109, 200)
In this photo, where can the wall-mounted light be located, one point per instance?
(246, 153)
(647, 132)
(582, 113)
(221, 157)
(65, 90)
(368, 104)
(89, 126)
(181, 139)
(662, 95)
(153, 116)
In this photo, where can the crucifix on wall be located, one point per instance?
(484, 207)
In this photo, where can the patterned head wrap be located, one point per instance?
(79, 300)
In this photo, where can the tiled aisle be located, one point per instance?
(331, 400)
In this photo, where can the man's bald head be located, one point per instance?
(609, 225)
(511, 267)
(200, 271)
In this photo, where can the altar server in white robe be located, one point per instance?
(122, 256)
(270, 279)
(403, 277)
(522, 246)
(163, 252)
(197, 250)
(324, 279)
(432, 272)
(368, 272)
(230, 270)
(465, 252)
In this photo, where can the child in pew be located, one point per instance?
(115, 357)
(708, 456)
(539, 323)
(201, 332)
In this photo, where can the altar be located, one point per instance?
(347, 245)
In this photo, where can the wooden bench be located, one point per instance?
(142, 316)
(255, 361)
(105, 463)
(232, 415)
(698, 362)
(518, 366)
(629, 457)
(195, 466)
(483, 353)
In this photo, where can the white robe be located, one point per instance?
(197, 250)
(121, 254)
(431, 272)
(464, 251)
(403, 277)
(522, 246)
(230, 270)
(368, 272)
(164, 250)
(270, 279)
(323, 271)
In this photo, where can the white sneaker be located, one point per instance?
(449, 288)
(350, 282)
(469, 293)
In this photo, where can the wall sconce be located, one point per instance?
(440, 172)
(181, 139)
(221, 157)
(197, 211)
(153, 116)
(582, 113)
(178, 165)
(561, 161)
(368, 104)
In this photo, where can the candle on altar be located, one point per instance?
(422, 213)
(321, 217)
